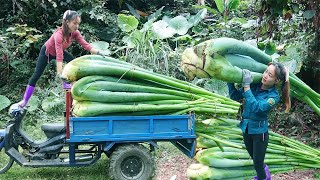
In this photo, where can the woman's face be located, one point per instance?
(74, 24)
(269, 77)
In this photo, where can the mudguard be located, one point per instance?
(2, 135)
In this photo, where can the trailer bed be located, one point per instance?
(178, 129)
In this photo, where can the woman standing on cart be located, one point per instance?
(55, 48)
(259, 99)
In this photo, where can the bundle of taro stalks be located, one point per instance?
(224, 59)
(107, 86)
(222, 153)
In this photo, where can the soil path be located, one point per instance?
(174, 168)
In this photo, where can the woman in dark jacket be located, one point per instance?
(259, 99)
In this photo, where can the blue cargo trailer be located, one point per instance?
(128, 141)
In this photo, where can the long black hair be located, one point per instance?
(67, 17)
(282, 74)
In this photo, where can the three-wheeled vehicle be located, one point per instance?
(128, 141)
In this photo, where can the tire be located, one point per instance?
(131, 161)
(5, 161)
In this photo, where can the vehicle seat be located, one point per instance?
(53, 129)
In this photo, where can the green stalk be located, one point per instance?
(113, 60)
(77, 69)
(219, 140)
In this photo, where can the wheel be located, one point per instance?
(5, 161)
(131, 161)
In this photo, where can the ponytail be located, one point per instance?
(286, 95)
(282, 74)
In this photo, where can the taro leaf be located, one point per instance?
(162, 30)
(127, 23)
(239, 20)
(155, 15)
(129, 41)
(198, 30)
(293, 65)
(179, 24)
(309, 14)
(51, 102)
(295, 7)
(270, 48)
(133, 11)
(209, 9)
(4, 102)
(194, 20)
(101, 46)
(220, 5)
(133, 39)
(249, 24)
(292, 51)
(183, 38)
(15, 63)
(233, 4)
(217, 86)
(33, 103)
(151, 19)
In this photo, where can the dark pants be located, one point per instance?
(256, 145)
(42, 63)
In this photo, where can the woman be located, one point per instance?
(55, 47)
(259, 99)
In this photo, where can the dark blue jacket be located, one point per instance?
(258, 103)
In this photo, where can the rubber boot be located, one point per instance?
(268, 175)
(266, 169)
(26, 97)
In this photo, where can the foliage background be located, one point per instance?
(27, 24)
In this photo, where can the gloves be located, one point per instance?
(101, 54)
(246, 78)
(66, 85)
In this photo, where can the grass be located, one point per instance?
(95, 171)
(99, 170)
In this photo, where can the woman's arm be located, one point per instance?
(79, 38)
(234, 93)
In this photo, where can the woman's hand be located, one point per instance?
(246, 78)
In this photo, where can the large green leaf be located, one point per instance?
(51, 102)
(179, 24)
(102, 46)
(309, 14)
(194, 20)
(4, 102)
(232, 4)
(133, 39)
(133, 11)
(217, 86)
(220, 5)
(270, 48)
(293, 65)
(209, 9)
(162, 29)
(33, 103)
(127, 23)
(153, 17)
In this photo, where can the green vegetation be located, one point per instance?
(287, 30)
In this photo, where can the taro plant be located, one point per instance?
(149, 43)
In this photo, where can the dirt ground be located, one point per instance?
(175, 168)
